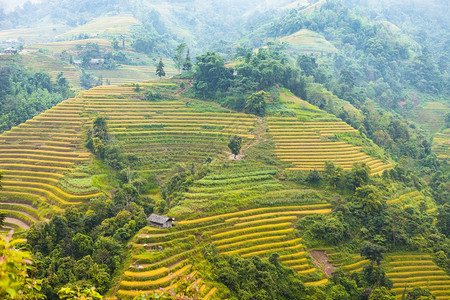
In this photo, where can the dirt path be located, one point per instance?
(187, 84)
(261, 128)
(19, 204)
(23, 213)
(17, 222)
(320, 259)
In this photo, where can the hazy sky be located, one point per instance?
(9, 5)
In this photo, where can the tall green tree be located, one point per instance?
(115, 44)
(15, 283)
(179, 57)
(359, 175)
(211, 75)
(187, 65)
(443, 219)
(256, 103)
(160, 69)
(369, 197)
(372, 252)
(235, 145)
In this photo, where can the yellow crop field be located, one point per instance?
(34, 156)
(104, 26)
(35, 34)
(170, 132)
(67, 45)
(232, 233)
(304, 144)
(410, 270)
(441, 144)
(51, 65)
(306, 41)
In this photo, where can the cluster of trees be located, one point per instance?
(243, 88)
(23, 95)
(182, 58)
(253, 278)
(388, 130)
(379, 62)
(361, 214)
(110, 59)
(85, 247)
(151, 36)
(71, 13)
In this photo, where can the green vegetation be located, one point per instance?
(235, 145)
(306, 41)
(336, 187)
(23, 95)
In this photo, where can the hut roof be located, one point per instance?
(154, 218)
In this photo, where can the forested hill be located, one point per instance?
(204, 25)
(376, 59)
(223, 150)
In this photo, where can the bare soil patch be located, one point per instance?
(321, 261)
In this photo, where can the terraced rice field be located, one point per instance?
(411, 270)
(49, 64)
(67, 45)
(306, 41)
(33, 158)
(348, 263)
(235, 183)
(130, 74)
(441, 144)
(164, 132)
(415, 196)
(105, 26)
(34, 34)
(431, 115)
(305, 145)
(255, 232)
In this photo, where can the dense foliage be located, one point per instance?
(23, 95)
(253, 278)
(85, 247)
(373, 82)
(363, 215)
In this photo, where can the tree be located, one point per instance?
(15, 283)
(87, 80)
(85, 293)
(333, 174)
(115, 44)
(179, 56)
(372, 252)
(187, 66)
(97, 136)
(160, 69)
(122, 37)
(235, 145)
(211, 75)
(359, 175)
(307, 63)
(442, 219)
(369, 197)
(419, 294)
(313, 177)
(256, 103)
(381, 294)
